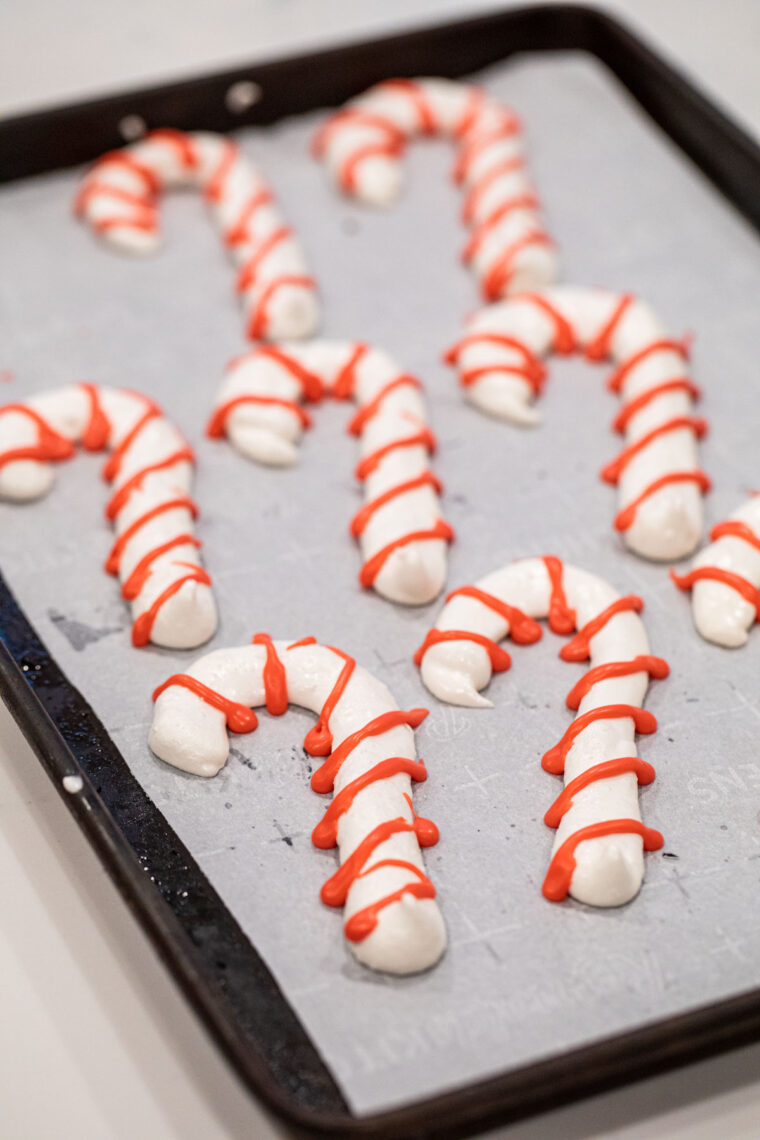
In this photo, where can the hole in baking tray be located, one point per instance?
(132, 127)
(242, 95)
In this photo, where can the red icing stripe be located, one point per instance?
(476, 102)
(564, 340)
(499, 658)
(749, 592)
(248, 272)
(534, 367)
(147, 221)
(335, 891)
(318, 740)
(620, 375)
(214, 189)
(387, 148)
(361, 924)
(117, 550)
(656, 667)
(113, 464)
(427, 123)
(239, 717)
(599, 348)
(217, 425)
(311, 384)
(423, 438)
(580, 647)
(472, 149)
(323, 779)
(142, 571)
(180, 142)
(607, 770)
(554, 760)
(501, 269)
(148, 177)
(143, 626)
(493, 174)
(624, 519)
(374, 565)
(733, 528)
(354, 117)
(472, 375)
(372, 407)
(120, 498)
(612, 471)
(344, 384)
(362, 517)
(98, 429)
(51, 446)
(560, 873)
(275, 678)
(94, 189)
(561, 617)
(489, 224)
(522, 629)
(636, 403)
(325, 834)
(238, 233)
(260, 316)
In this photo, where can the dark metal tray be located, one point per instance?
(197, 936)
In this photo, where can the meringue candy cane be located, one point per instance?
(725, 578)
(150, 468)
(660, 484)
(392, 922)
(119, 196)
(363, 144)
(597, 855)
(403, 538)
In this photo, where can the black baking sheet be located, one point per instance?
(254, 1022)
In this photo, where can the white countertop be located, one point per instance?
(96, 1042)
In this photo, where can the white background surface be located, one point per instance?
(95, 1042)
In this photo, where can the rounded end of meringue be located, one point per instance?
(504, 398)
(132, 241)
(455, 672)
(534, 267)
(263, 444)
(293, 313)
(378, 181)
(413, 575)
(187, 619)
(410, 937)
(668, 526)
(25, 479)
(178, 742)
(609, 871)
(721, 614)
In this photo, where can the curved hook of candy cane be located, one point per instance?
(118, 200)
(598, 851)
(391, 919)
(150, 469)
(660, 485)
(725, 578)
(362, 146)
(403, 538)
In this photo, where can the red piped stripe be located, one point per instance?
(361, 924)
(472, 149)
(656, 667)
(324, 778)
(624, 518)
(260, 316)
(372, 407)
(644, 722)
(612, 471)
(51, 446)
(249, 271)
(238, 233)
(275, 678)
(607, 770)
(423, 438)
(564, 340)
(372, 567)
(533, 365)
(180, 142)
(493, 174)
(98, 428)
(120, 498)
(501, 270)
(580, 647)
(217, 424)
(113, 464)
(354, 117)
(344, 384)
(636, 403)
(427, 123)
(522, 629)
(148, 177)
(499, 658)
(560, 873)
(599, 348)
(318, 740)
(118, 548)
(239, 717)
(733, 528)
(214, 189)
(311, 384)
(143, 626)
(325, 834)
(94, 189)
(362, 517)
(489, 224)
(386, 148)
(561, 616)
(142, 571)
(749, 592)
(619, 376)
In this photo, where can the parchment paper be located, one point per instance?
(522, 978)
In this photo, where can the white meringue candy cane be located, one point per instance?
(150, 468)
(597, 855)
(725, 578)
(400, 530)
(363, 143)
(391, 919)
(660, 484)
(118, 199)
